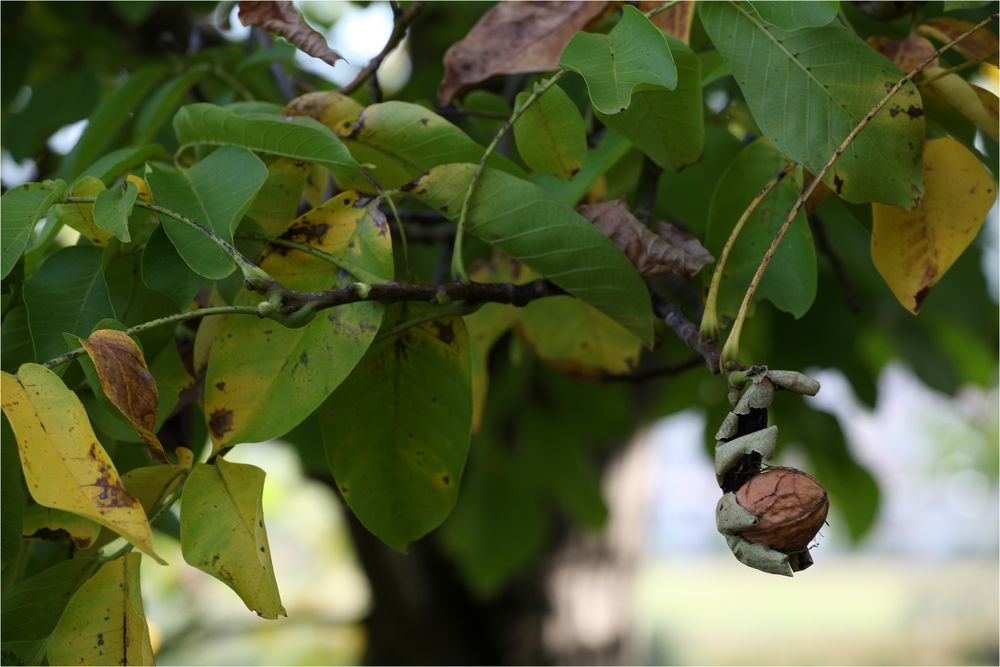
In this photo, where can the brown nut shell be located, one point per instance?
(790, 507)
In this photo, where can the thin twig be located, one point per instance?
(730, 350)
(278, 73)
(398, 33)
(710, 317)
(823, 242)
(687, 331)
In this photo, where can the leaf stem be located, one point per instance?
(730, 351)
(710, 318)
(169, 319)
(457, 263)
(664, 7)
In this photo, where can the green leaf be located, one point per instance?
(599, 161)
(215, 192)
(116, 163)
(163, 270)
(32, 607)
(67, 294)
(405, 140)
(264, 378)
(667, 125)
(819, 83)
(21, 208)
(550, 135)
(223, 534)
(299, 138)
(104, 623)
(11, 496)
(162, 103)
(80, 216)
(113, 208)
(111, 115)
(525, 222)
(15, 339)
(634, 53)
(790, 280)
(795, 15)
(397, 430)
(498, 527)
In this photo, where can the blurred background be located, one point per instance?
(613, 558)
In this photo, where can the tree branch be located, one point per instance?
(687, 331)
(823, 241)
(399, 27)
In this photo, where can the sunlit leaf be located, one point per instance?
(634, 53)
(104, 622)
(397, 430)
(913, 249)
(264, 378)
(809, 88)
(223, 534)
(64, 464)
(21, 208)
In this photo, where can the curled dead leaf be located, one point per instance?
(514, 38)
(127, 382)
(904, 53)
(280, 17)
(668, 250)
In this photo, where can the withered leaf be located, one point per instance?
(980, 45)
(668, 250)
(676, 20)
(904, 53)
(514, 38)
(127, 382)
(281, 18)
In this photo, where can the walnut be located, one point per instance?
(790, 507)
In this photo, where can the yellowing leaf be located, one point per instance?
(104, 623)
(980, 45)
(974, 103)
(328, 107)
(913, 249)
(81, 216)
(64, 465)
(579, 339)
(45, 523)
(142, 187)
(223, 534)
(127, 382)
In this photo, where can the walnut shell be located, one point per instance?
(790, 507)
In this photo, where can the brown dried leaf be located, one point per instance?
(904, 53)
(669, 250)
(514, 38)
(280, 17)
(980, 45)
(676, 20)
(127, 382)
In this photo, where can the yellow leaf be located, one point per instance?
(913, 249)
(45, 523)
(974, 103)
(223, 534)
(334, 110)
(127, 383)
(104, 622)
(64, 465)
(142, 187)
(81, 216)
